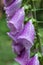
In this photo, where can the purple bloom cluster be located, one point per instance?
(22, 34)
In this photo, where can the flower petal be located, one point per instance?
(12, 36)
(17, 47)
(28, 34)
(8, 2)
(17, 22)
(10, 10)
(23, 58)
(33, 61)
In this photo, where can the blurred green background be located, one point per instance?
(6, 55)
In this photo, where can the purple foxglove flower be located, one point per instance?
(14, 35)
(17, 47)
(25, 61)
(10, 10)
(16, 24)
(27, 35)
(33, 61)
(8, 2)
(23, 57)
(17, 21)
(22, 36)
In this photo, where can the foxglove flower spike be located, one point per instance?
(10, 10)
(28, 35)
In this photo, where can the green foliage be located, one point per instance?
(6, 55)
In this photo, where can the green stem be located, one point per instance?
(38, 38)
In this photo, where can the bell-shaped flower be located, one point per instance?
(10, 10)
(27, 35)
(23, 57)
(17, 21)
(33, 61)
(24, 60)
(17, 48)
(8, 2)
(16, 24)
